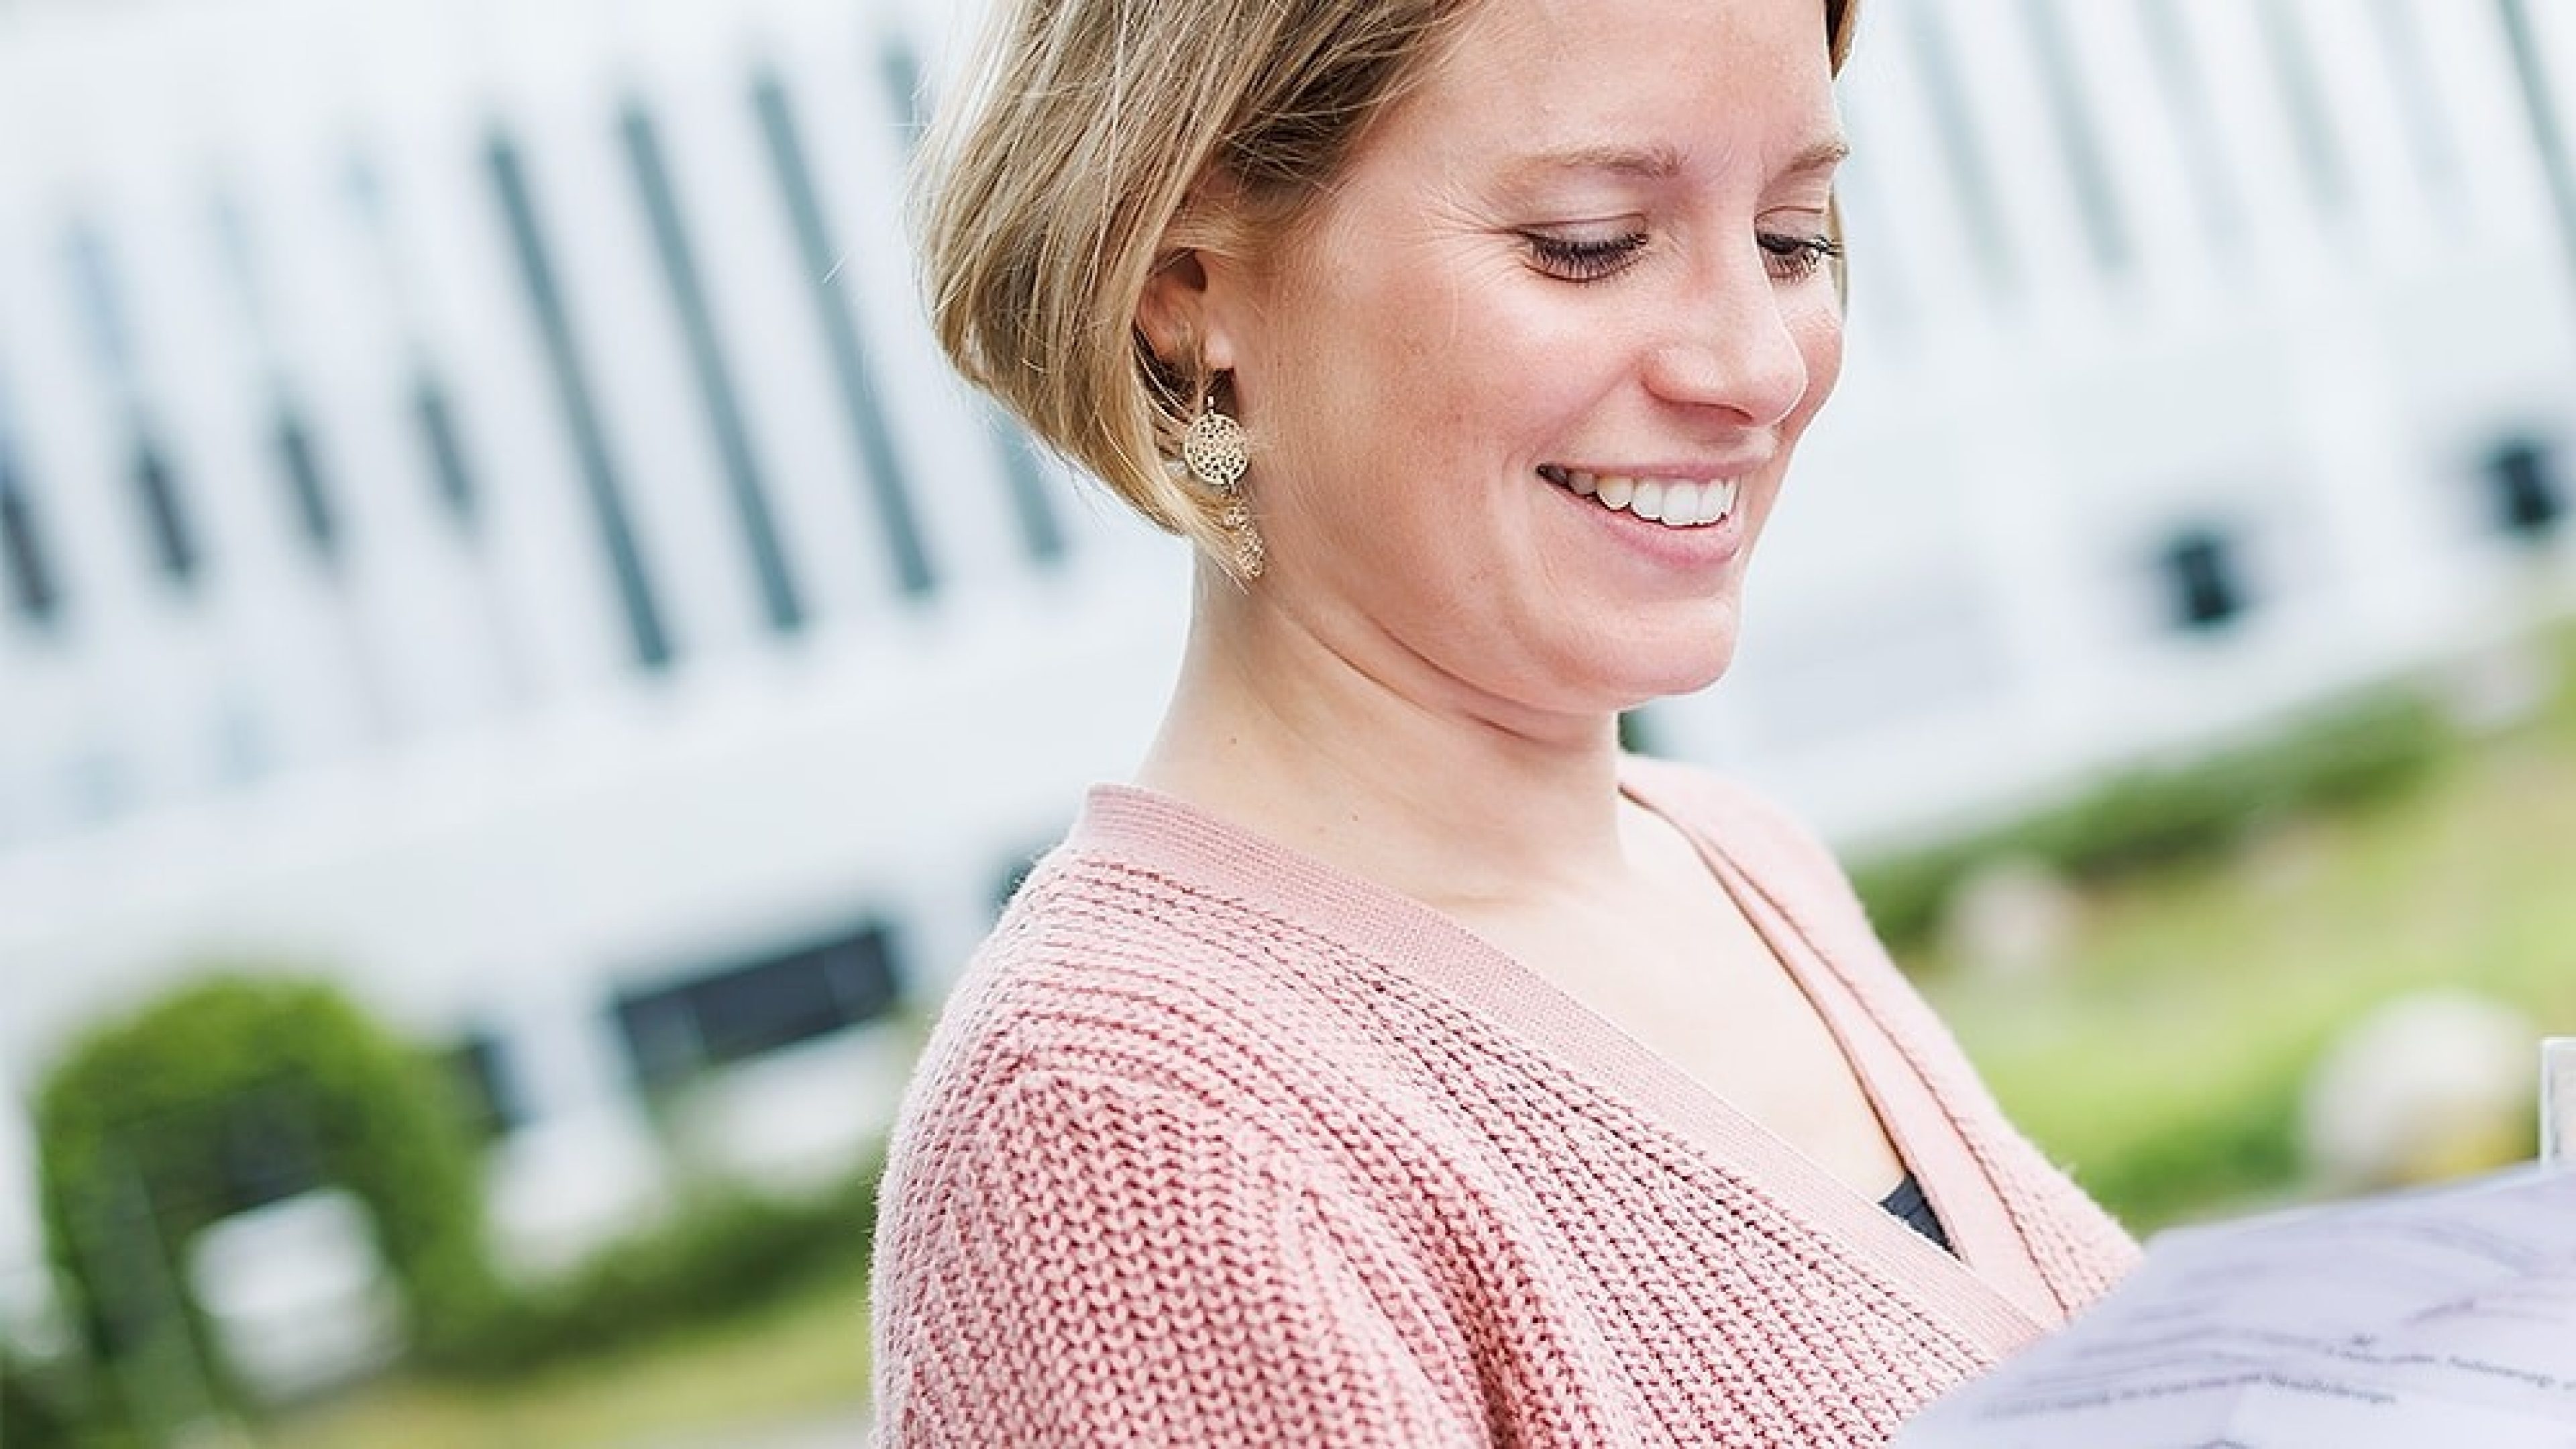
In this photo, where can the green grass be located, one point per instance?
(2163, 1061)
(800, 1359)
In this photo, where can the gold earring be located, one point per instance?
(1216, 450)
(1218, 454)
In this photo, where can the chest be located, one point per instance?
(1696, 984)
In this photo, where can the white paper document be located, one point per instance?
(2442, 1318)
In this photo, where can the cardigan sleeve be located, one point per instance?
(1087, 1261)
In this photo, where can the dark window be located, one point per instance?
(437, 422)
(1970, 177)
(778, 596)
(2312, 125)
(33, 591)
(297, 454)
(2187, 93)
(485, 1088)
(2202, 579)
(2524, 489)
(2088, 169)
(156, 486)
(2434, 146)
(823, 265)
(740, 1012)
(607, 493)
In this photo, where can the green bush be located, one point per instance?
(34, 1413)
(144, 1129)
(2161, 814)
(2161, 1157)
(58, 1403)
(726, 1250)
(138, 1129)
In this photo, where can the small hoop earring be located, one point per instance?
(1217, 453)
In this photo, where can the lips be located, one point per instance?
(1675, 503)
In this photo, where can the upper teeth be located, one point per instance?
(1673, 503)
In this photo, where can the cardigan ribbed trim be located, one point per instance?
(1218, 1144)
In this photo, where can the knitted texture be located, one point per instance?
(1215, 1146)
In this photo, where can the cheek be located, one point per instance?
(1819, 336)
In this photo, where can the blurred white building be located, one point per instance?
(481, 517)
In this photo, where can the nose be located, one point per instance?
(1734, 345)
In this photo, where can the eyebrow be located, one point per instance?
(1824, 155)
(1655, 163)
(1649, 162)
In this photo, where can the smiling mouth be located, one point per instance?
(1672, 502)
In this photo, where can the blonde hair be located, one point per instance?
(1061, 173)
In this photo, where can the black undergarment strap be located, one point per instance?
(1909, 1203)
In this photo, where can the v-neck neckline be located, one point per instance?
(1982, 1235)
(1176, 838)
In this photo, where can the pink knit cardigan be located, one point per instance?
(1218, 1146)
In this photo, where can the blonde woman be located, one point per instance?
(1395, 1062)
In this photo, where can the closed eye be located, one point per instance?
(1795, 258)
(1584, 258)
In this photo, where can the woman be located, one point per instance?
(1396, 1063)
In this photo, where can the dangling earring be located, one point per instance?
(1218, 454)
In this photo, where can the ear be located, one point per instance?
(1196, 295)
(1180, 314)
(1171, 313)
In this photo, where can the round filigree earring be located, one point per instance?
(1218, 454)
(1216, 450)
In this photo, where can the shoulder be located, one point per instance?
(1101, 964)
(1150, 982)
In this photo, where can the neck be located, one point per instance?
(1338, 743)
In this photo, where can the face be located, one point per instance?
(1523, 386)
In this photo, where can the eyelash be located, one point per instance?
(1796, 258)
(1790, 258)
(1587, 259)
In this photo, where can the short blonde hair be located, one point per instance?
(1060, 174)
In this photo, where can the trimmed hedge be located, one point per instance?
(155, 1126)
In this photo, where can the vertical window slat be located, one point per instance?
(860, 402)
(1972, 179)
(508, 176)
(778, 593)
(33, 590)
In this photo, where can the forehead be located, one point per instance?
(1665, 83)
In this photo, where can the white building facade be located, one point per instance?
(481, 518)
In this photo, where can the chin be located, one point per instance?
(1630, 673)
